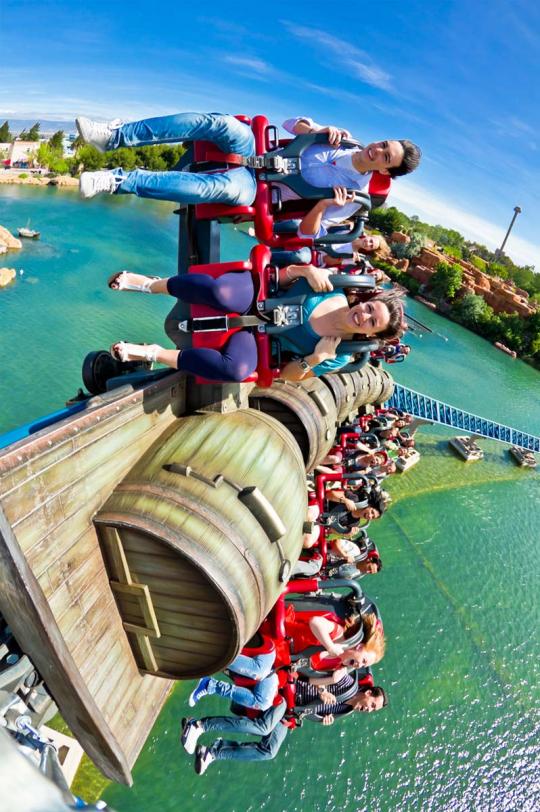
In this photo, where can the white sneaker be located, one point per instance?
(92, 183)
(203, 759)
(97, 133)
(191, 732)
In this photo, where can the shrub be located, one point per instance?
(23, 174)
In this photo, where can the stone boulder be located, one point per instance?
(402, 264)
(429, 258)
(399, 236)
(7, 239)
(420, 273)
(7, 276)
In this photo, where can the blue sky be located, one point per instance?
(460, 78)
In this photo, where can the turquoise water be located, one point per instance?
(459, 588)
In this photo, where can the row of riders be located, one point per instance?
(312, 657)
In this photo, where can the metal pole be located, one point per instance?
(517, 210)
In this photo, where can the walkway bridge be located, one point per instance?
(436, 411)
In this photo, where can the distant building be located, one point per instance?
(20, 154)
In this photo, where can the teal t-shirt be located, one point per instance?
(302, 340)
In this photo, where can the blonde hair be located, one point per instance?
(374, 640)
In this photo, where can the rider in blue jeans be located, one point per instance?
(324, 165)
(324, 698)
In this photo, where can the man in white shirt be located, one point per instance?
(322, 165)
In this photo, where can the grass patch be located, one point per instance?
(89, 783)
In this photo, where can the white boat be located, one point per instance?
(411, 458)
(28, 233)
(522, 456)
(467, 448)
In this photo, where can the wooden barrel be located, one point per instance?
(200, 536)
(341, 385)
(370, 386)
(387, 386)
(307, 409)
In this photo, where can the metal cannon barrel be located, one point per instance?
(199, 538)
(307, 409)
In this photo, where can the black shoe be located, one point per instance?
(203, 759)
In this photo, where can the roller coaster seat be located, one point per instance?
(265, 211)
(268, 353)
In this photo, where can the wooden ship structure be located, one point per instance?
(146, 532)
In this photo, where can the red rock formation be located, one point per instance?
(399, 236)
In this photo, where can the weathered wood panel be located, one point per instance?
(50, 486)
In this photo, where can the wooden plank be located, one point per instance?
(62, 569)
(135, 715)
(116, 557)
(25, 609)
(146, 609)
(145, 648)
(163, 401)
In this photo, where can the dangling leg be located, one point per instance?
(234, 363)
(224, 130)
(231, 292)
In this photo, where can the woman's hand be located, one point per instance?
(336, 649)
(328, 720)
(327, 697)
(349, 505)
(326, 348)
(318, 279)
(335, 134)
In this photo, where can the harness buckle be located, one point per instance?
(287, 315)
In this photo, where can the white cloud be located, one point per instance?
(414, 199)
(358, 62)
(252, 63)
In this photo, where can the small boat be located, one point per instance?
(522, 456)
(28, 233)
(411, 458)
(503, 348)
(467, 448)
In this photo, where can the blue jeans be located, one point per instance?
(234, 187)
(267, 725)
(260, 695)
(282, 258)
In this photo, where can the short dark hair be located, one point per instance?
(411, 158)
(376, 691)
(376, 559)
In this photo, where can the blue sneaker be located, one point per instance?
(200, 691)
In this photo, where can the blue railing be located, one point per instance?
(435, 410)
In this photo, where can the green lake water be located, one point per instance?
(460, 546)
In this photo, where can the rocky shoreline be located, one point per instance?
(14, 177)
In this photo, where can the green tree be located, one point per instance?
(90, 158)
(56, 142)
(453, 251)
(32, 134)
(479, 263)
(124, 157)
(408, 250)
(471, 309)
(6, 136)
(446, 280)
(387, 220)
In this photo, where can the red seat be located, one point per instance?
(257, 264)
